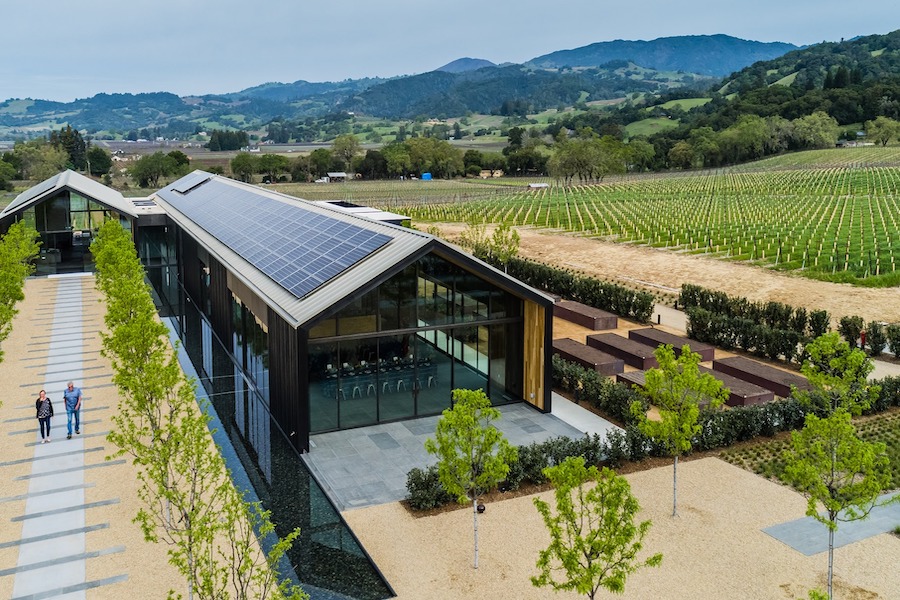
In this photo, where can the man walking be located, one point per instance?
(72, 396)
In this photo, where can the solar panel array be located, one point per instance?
(298, 248)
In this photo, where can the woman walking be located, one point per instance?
(44, 408)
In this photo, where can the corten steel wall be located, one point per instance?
(289, 401)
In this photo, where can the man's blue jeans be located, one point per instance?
(69, 413)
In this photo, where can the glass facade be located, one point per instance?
(67, 223)
(399, 350)
(327, 559)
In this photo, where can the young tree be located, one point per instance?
(594, 541)
(473, 456)
(677, 388)
(833, 468)
(838, 375)
(18, 248)
(504, 244)
(475, 238)
(188, 498)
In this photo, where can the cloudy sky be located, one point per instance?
(63, 49)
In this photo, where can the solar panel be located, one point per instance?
(298, 248)
(189, 182)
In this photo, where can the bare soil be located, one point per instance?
(664, 271)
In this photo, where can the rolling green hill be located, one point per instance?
(712, 55)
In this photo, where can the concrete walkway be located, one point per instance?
(810, 537)
(51, 545)
(580, 418)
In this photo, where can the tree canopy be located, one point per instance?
(677, 389)
(473, 456)
(594, 540)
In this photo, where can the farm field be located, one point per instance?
(830, 215)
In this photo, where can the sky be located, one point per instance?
(62, 50)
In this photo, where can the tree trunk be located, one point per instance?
(830, 560)
(675, 487)
(475, 520)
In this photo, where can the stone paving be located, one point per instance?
(809, 536)
(368, 465)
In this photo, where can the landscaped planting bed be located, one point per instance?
(765, 457)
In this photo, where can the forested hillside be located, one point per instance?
(711, 55)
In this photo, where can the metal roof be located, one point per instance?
(365, 211)
(404, 246)
(76, 182)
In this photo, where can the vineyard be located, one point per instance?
(827, 214)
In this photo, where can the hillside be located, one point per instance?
(445, 94)
(463, 86)
(853, 81)
(461, 65)
(711, 55)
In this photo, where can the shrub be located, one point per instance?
(425, 489)
(876, 338)
(893, 339)
(850, 328)
(819, 323)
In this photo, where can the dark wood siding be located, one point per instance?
(220, 299)
(190, 266)
(287, 381)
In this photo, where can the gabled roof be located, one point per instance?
(75, 182)
(401, 246)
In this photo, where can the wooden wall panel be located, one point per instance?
(535, 352)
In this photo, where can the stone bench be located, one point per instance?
(584, 315)
(587, 357)
(633, 353)
(761, 374)
(656, 337)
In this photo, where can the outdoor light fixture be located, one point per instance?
(480, 508)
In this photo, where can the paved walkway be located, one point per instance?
(810, 537)
(580, 418)
(54, 524)
(368, 465)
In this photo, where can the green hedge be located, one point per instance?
(617, 299)
(771, 316)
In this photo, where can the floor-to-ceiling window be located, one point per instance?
(399, 350)
(67, 223)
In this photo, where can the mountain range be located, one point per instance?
(595, 72)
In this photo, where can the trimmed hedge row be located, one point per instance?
(617, 299)
(729, 332)
(773, 329)
(770, 315)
